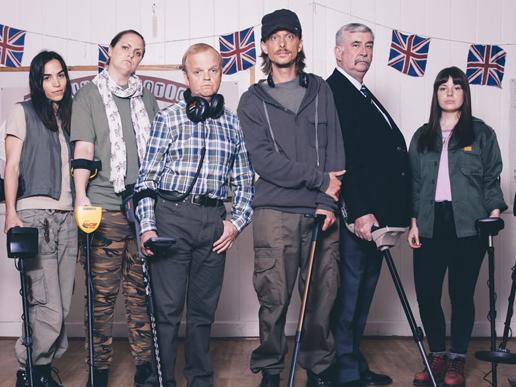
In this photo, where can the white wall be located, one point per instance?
(406, 98)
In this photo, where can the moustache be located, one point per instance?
(362, 60)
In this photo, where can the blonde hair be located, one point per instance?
(196, 48)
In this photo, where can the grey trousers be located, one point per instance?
(51, 275)
(192, 271)
(281, 247)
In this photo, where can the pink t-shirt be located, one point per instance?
(443, 189)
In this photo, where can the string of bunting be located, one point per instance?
(238, 49)
(408, 52)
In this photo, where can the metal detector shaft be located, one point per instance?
(27, 340)
(88, 220)
(489, 227)
(502, 354)
(89, 297)
(492, 308)
(510, 311)
(147, 279)
(300, 322)
(416, 331)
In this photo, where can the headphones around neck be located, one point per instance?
(199, 109)
(303, 80)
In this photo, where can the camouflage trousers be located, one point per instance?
(114, 260)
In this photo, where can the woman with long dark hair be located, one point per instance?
(456, 165)
(38, 194)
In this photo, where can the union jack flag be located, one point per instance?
(103, 57)
(409, 53)
(238, 51)
(12, 42)
(485, 65)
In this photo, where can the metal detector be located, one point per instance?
(385, 238)
(157, 245)
(22, 243)
(489, 227)
(502, 354)
(88, 220)
(316, 228)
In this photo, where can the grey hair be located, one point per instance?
(351, 27)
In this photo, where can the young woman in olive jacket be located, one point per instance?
(456, 164)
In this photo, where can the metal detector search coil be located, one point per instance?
(88, 218)
(22, 242)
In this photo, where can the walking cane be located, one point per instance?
(88, 219)
(319, 220)
(22, 243)
(489, 227)
(154, 244)
(385, 238)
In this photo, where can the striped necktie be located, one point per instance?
(365, 91)
(367, 94)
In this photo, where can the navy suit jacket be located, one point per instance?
(377, 178)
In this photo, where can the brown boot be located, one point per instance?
(455, 375)
(438, 364)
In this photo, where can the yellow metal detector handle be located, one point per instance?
(88, 218)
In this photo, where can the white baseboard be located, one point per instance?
(250, 329)
(402, 328)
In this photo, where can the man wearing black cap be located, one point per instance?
(292, 132)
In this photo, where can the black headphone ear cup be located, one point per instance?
(270, 81)
(217, 106)
(187, 95)
(303, 79)
(197, 109)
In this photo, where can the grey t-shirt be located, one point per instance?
(89, 123)
(289, 94)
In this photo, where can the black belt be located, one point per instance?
(198, 200)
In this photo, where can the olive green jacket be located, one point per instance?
(474, 180)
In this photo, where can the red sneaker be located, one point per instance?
(455, 375)
(438, 364)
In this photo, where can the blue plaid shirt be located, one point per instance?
(173, 155)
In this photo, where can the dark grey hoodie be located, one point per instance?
(292, 152)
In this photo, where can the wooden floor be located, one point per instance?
(397, 357)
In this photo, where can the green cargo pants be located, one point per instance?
(281, 247)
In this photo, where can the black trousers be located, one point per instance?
(192, 271)
(462, 257)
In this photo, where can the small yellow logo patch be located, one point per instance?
(468, 148)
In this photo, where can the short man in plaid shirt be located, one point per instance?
(195, 156)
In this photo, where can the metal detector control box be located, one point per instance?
(22, 242)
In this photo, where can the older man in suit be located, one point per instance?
(375, 192)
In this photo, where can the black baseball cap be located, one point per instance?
(281, 19)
